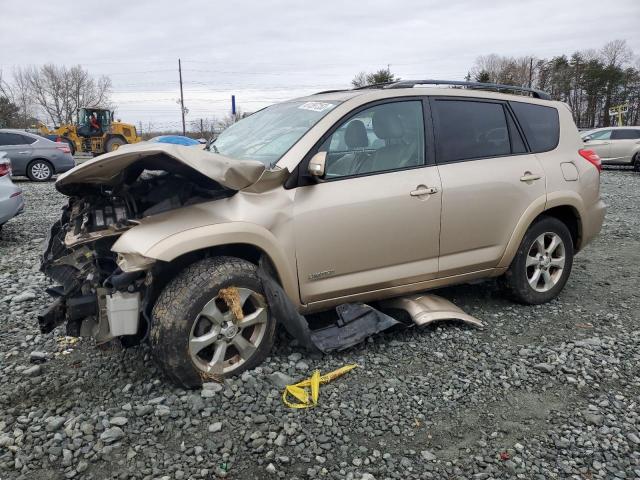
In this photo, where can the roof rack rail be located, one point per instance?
(479, 85)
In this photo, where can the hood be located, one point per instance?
(111, 168)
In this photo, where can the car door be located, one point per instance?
(600, 142)
(488, 179)
(18, 150)
(624, 143)
(373, 222)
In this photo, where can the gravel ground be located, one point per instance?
(543, 392)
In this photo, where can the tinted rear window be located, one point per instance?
(470, 129)
(540, 124)
(625, 134)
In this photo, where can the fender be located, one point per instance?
(168, 247)
(539, 206)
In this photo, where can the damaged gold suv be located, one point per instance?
(323, 202)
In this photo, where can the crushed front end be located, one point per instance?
(99, 293)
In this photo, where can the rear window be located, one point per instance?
(625, 134)
(541, 125)
(470, 129)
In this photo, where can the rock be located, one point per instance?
(54, 423)
(212, 386)
(111, 435)
(633, 438)
(271, 468)
(215, 427)
(427, 456)
(24, 297)
(302, 366)
(260, 419)
(33, 371)
(544, 367)
(594, 419)
(118, 421)
(281, 380)
(37, 357)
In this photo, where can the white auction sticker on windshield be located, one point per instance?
(316, 106)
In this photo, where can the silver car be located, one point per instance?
(35, 156)
(11, 199)
(615, 145)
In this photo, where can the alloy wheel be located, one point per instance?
(219, 342)
(40, 171)
(545, 262)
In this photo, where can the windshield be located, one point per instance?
(268, 134)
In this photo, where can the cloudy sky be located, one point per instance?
(267, 51)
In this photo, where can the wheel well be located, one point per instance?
(166, 271)
(570, 217)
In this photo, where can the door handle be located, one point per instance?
(423, 191)
(530, 177)
(23, 153)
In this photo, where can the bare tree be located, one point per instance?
(60, 91)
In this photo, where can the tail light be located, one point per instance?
(591, 157)
(16, 194)
(5, 169)
(64, 149)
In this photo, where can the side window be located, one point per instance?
(27, 140)
(624, 134)
(541, 125)
(11, 139)
(517, 144)
(470, 129)
(388, 136)
(601, 135)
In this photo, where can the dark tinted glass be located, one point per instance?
(540, 124)
(470, 129)
(11, 139)
(625, 134)
(27, 140)
(517, 144)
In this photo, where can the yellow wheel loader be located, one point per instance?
(96, 132)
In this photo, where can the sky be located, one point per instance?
(270, 51)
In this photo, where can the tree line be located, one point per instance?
(53, 93)
(591, 82)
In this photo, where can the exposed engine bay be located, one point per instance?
(95, 297)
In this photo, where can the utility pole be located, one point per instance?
(184, 128)
(201, 129)
(530, 71)
(140, 128)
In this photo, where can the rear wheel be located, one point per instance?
(40, 171)
(113, 144)
(542, 263)
(212, 321)
(636, 162)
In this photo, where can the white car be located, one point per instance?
(11, 199)
(615, 145)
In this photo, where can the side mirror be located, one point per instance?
(586, 139)
(317, 164)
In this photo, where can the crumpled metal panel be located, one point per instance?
(230, 173)
(426, 308)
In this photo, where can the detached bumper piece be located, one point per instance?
(356, 322)
(52, 316)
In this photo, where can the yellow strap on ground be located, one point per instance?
(299, 390)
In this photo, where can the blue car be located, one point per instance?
(175, 139)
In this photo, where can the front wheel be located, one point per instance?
(212, 321)
(113, 144)
(542, 264)
(636, 162)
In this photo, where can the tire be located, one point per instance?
(521, 282)
(190, 313)
(113, 144)
(40, 171)
(72, 146)
(636, 162)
